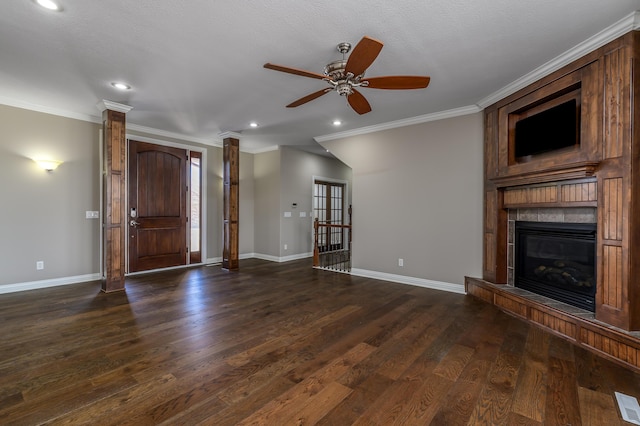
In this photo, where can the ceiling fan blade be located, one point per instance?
(295, 71)
(310, 97)
(398, 82)
(363, 55)
(358, 102)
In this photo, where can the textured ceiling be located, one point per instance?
(195, 66)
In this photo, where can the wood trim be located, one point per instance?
(562, 172)
(581, 193)
(609, 154)
(495, 237)
(114, 200)
(231, 185)
(622, 348)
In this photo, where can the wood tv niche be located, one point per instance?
(546, 128)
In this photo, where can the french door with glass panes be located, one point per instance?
(328, 207)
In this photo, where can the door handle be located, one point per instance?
(134, 223)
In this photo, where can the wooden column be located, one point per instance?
(618, 296)
(113, 207)
(231, 186)
(495, 216)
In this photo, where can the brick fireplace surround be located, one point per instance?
(597, 180)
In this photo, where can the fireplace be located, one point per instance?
(557, 260)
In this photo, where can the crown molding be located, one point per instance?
(456, 112)
(628, 23)
(225, 135)
(163, 133)
(48, 110)
(262, 150)
(113, 106)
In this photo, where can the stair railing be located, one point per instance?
(328, 254)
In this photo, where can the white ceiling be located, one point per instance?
(195, 66)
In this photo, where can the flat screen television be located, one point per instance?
(549, 130)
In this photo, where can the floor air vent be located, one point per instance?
(629, 408)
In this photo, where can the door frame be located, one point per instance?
(203, 200)
(346, 200)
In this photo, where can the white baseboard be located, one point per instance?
(270, 258)
(402, 279)
(54, 282)
(282, 258)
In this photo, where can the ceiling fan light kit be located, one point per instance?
(344, 75)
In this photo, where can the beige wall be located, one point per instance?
(298, 170)
(266, 172)
(213, 177)
(283, 177)
(246, 201)
(42, 215)
(417, 195)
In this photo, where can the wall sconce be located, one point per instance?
(48, 165)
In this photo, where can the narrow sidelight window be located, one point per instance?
(195, 185)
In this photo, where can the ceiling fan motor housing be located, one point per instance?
(344, 89)
(335, 70)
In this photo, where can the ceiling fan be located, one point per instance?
(344, 75)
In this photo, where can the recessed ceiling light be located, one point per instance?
(253, 124)
(121, 86)
(337, 122)
(48, 4)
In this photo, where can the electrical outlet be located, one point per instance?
(40, 265)
(285, 246)
(400, 262)
(92, 214)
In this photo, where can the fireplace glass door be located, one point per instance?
(557, 260)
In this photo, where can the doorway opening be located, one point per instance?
(328, 208)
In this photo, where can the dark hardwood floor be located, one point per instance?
(284, 344)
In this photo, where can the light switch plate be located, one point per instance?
(287, 214)
(92, 214)
(303, 214)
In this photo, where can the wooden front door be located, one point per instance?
(157, 206)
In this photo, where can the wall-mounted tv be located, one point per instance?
(549, 130)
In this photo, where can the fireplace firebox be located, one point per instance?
(557, 260)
